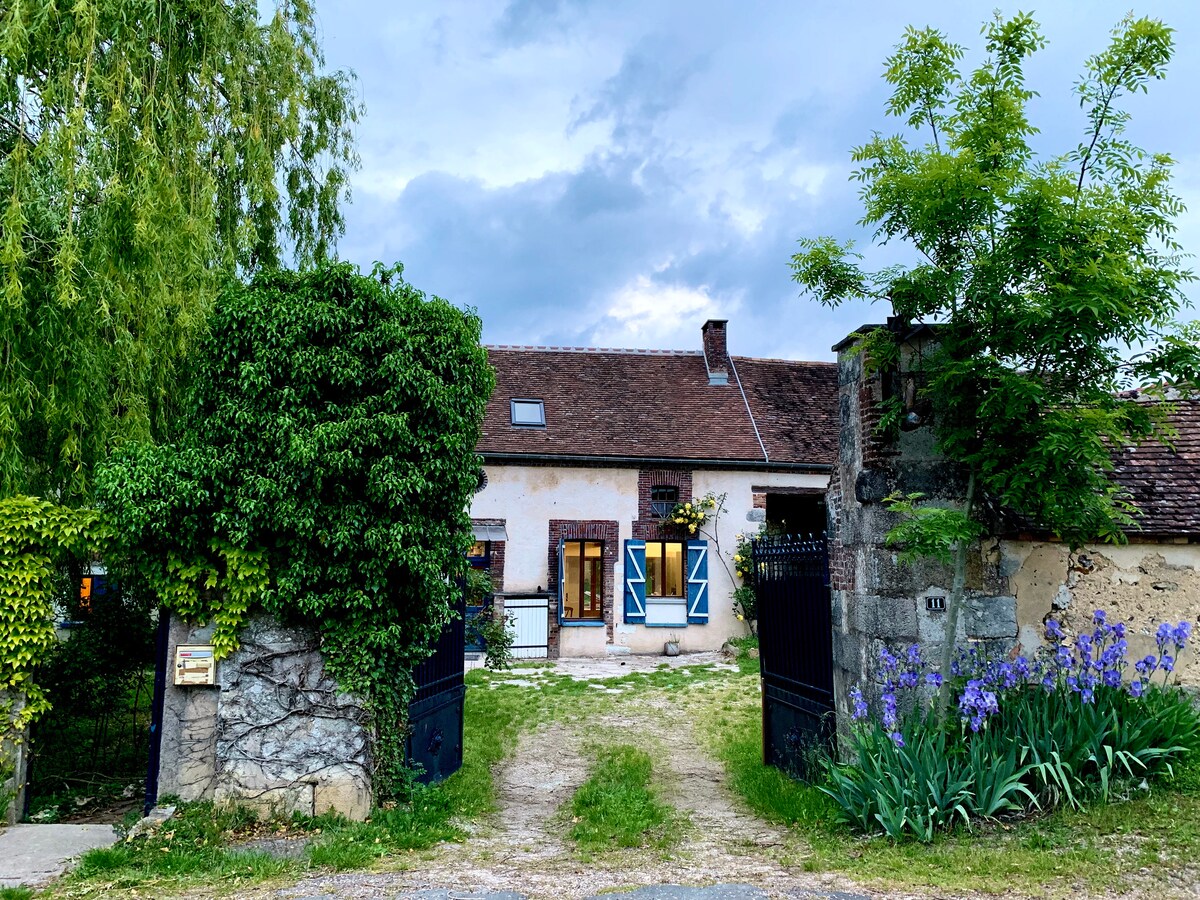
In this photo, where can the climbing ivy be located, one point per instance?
(331, 420)
(34, 535)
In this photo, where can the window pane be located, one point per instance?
(654, 563)
(528, 412)
(479, 548)
(673, 578)
(582, 585)
(592, 601)
(572, 584)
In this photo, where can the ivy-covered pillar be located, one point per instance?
(878, 600)
(274, 732)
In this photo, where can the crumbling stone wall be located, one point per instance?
(1142, 584)
(276, 733)
(877, 600)
(1013, 586)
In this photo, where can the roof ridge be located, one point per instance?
(790, 362)
(622, 350)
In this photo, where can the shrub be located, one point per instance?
(327, 461)
(495, 636)
(1062, 728)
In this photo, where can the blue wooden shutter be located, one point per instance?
(697, 567)
(635, 582)
(562, 577)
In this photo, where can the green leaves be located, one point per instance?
(325, 467)
(147, 152)
(928, 530)
(34, 536)
(1035, 272)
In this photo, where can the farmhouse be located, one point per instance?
(588, 450)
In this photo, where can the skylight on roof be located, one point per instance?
(529, 413)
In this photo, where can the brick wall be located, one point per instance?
(647, 526)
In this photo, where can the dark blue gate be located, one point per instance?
(795, 628)
(435, 716)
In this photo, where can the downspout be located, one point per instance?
(749, 412)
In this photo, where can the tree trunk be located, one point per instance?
(955, 602)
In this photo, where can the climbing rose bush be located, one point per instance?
(1065, 726)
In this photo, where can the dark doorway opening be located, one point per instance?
(799, 514)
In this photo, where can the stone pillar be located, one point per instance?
(877, 600)
(14, 761)
(276, 733)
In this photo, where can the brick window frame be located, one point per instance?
(608, 532)
(647, 526)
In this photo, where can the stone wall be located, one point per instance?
(1142, 584)
(13, 759)
(1013, 586)
(879, 601)
(276, 733)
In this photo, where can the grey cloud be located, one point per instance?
(526, 21)
(651, 81)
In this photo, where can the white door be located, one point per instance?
(529, 624)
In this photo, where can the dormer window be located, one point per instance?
(663, 498)
(528, 413)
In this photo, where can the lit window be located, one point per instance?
(529, 413)
(664, 569)
(582, 588)
(663, 498)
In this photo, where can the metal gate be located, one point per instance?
(435, 716)
(795, 630)
(529, 623)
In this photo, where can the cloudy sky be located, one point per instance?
(613, 172)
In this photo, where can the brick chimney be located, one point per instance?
(716, 354)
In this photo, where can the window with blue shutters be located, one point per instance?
(697, 582)
(665, 609)
(635, 582)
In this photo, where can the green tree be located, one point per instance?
(147, 151)
(1039, 272)
(326, 464)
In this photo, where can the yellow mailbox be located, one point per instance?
(194, 664)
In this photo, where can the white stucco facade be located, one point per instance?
(529, 497)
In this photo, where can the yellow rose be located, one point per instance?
(741, 618)
(687, 506)
(692, 529)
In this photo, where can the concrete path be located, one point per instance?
(33, 854)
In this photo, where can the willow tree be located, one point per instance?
(1039, 272)
(148, 150)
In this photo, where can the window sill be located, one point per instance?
(586, 623)
(665, 624)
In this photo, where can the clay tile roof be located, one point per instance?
(795, 407)
(1165, 480)
(658, 405)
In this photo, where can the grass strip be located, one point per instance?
(617, 806)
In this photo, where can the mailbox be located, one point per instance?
(194, 664)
